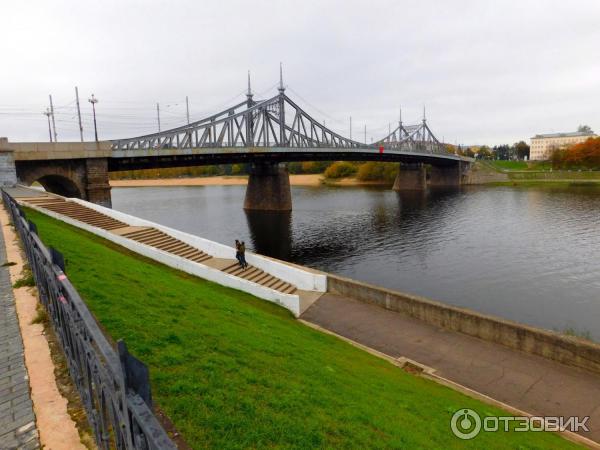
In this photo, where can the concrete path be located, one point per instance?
(527, 382)
(17, 421)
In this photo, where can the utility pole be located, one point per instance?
(79, 113)
(93, 100)
(365, 134)
(187, 109)
(48, 114)
(158, 116)
(52, 113)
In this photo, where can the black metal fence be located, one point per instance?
(113, 384)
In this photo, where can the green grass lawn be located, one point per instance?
(233, 371)
(519, 165)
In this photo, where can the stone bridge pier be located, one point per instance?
(268, 188)
(413, 176)
(449, 175)
(80, 178)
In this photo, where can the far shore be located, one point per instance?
(295, 180)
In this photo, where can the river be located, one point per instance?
(525, 254)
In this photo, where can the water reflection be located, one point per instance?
(271, 233)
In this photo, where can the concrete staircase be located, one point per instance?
(77, 212)
(158, 239)
(261, 277)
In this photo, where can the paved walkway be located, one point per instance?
(17, 421)
(527, 382)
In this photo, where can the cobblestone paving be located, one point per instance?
(17, 421)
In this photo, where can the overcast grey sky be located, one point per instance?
(489, 72)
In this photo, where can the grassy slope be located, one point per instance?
(233, 371)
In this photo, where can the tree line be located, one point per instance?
(585, 155)
(517, 151)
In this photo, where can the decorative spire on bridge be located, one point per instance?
(399, 125)
(283, 140)
(249, 94)
(281, 87)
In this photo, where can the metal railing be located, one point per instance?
(113, 385)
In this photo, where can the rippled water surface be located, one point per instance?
(529, 255)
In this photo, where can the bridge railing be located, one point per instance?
(113, 385)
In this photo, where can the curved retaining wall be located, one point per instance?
(564, 349)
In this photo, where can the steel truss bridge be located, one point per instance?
(275, 129)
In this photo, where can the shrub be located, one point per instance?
(340, 169)
(377, 171)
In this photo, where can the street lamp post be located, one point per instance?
(47, 113)
(93, 101)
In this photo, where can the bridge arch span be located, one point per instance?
(80, 178)
(61, 185)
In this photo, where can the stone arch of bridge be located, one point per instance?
(60, 185)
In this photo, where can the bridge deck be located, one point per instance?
(157, 239)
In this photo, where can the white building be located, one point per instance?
(543, 144)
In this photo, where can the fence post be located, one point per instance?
(137, 376)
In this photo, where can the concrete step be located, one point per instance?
(262, 278)
(188, 253)
(290, 290)
(256, 276)
(279, 285)
(250, 271)
(137, 235)
(266, 280)
(171, 245)
(233, 268)
(155, 241)
(201, 258)
(273, 283)
(150, 237)
(237, 272)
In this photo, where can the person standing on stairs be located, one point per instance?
(238, 254)
(242, 252)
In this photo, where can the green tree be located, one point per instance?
(522, 150)
(584, 129)
(484, 152)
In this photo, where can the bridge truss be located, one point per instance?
(275, 122)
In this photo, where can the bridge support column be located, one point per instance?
(411, 177)
(268, 188)
(446, 176)
(8, 171)
(97, 187)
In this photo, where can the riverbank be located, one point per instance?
(530, 174)
(207, 365)
(295, 180)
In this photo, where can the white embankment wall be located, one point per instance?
(304, 280)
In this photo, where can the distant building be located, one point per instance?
(543, 144)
